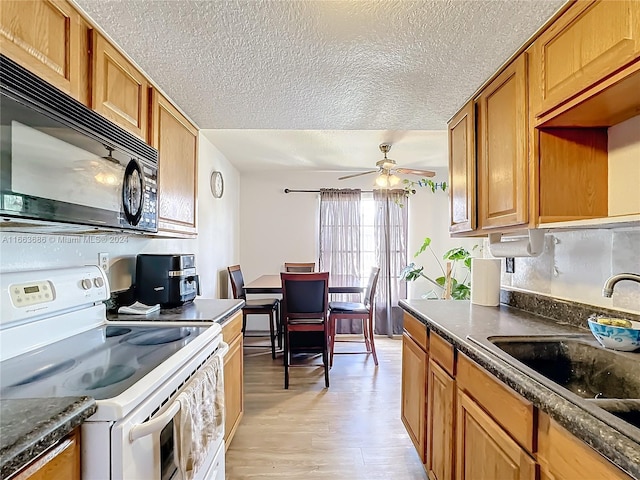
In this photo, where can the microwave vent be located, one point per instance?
(18, 82)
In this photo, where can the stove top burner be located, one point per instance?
(114, 374)
(116, 331)
(45, 372)
(159, 337)
(105, 361)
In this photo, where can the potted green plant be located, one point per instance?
(458, 258)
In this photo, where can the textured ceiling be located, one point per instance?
(391, 65)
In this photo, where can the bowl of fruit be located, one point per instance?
(615, 333)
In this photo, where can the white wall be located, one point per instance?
(216, 246)
(278, 227)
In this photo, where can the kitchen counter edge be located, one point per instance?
(621, 450)
(31, 426)
(195, 313)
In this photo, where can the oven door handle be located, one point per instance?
(147, 428)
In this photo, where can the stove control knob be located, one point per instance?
(86, 284)
(98, 282)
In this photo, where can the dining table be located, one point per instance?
(272, 284)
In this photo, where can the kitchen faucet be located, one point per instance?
(610, 283)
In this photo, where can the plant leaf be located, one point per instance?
(461, 292)
(425, 245)
(458, 253)
(467, 262)
(411, 272)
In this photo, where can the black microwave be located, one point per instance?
(63, 163)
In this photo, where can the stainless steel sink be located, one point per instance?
(627, 410)
(584, 369)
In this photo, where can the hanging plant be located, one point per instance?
(409, 187)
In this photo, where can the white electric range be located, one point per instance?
(55, 341)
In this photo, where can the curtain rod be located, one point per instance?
(293, 190)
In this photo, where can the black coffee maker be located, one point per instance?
(167, 279)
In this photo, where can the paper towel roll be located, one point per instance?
(485, 281)
(530, 246)
(510, 248)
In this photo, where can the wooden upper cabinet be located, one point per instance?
(462, 170)
(177, 142)
(586, 44)
(49, 38)
(119, 91)
(502, 149)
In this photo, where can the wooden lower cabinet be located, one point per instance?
(563, 456)
(414, 391)
(484, 450)
(468, 425)
(441, 391)
(233, 377)
(60, 462)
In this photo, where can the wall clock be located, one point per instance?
(217, 184)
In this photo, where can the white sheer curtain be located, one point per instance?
(340, 241)
(391, 251)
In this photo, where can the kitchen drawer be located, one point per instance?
(442, 352)
(513, 412)
(232, 328)
(561, 455)
(416, 330)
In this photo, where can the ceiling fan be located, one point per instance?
(387, 169)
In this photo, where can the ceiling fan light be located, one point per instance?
(382, 181)
(393, 180)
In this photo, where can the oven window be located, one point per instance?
(168, 466)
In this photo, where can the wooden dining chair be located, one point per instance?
(262, 306)
(305, 303)
(299, 267)
(356, 311)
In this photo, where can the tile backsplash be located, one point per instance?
(575, 265)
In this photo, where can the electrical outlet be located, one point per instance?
(510, 264)
(103, 261)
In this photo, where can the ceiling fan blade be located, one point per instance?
(357, 174)
(424, 173)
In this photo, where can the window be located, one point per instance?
(359, 231)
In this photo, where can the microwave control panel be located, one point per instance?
(149, 216)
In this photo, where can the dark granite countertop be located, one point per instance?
(191, 314)
(28, 427)
(461, 323)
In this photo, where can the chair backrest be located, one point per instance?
(299, 267)
(305, 295)
(237, 282)
(370, 291)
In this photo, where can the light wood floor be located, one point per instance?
(350, 431)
